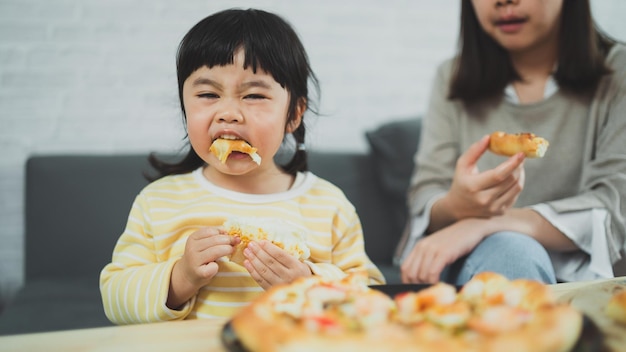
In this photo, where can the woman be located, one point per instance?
(539, 66)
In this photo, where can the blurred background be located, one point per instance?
(96, 76)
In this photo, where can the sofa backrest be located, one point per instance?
(76, 207)
(356, 175)
(392, 147)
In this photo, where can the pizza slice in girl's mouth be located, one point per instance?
(223, 147)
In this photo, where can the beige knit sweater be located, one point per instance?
(584, 168)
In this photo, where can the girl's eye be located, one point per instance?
(208, 95)
(255, 96)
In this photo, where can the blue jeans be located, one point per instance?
(511, 254)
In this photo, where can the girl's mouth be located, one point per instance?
(510, 25)
(230, 137)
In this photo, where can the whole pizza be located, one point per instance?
(489, 313)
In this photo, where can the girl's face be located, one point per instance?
(230, 101)
(520, 25)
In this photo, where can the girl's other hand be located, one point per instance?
(197, 266)
(484, 194)
(202, 249)
(269, 265)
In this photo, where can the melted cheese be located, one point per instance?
(222, 148)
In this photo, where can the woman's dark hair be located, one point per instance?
(484, 69)
(270, 44)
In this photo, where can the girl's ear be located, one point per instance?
(297, 119)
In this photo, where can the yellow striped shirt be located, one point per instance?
(135, 285)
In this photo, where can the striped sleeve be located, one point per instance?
(348, 252)
(135, 286)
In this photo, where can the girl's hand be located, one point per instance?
(202, 249)
(269, 265)
(434, 252)
(484, 194)
(197, 266)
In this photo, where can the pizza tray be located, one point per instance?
(230, 340)
(591, 338)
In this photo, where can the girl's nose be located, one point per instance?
(229, 117)
(230, 114)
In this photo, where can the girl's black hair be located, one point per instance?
(484, 69)
(269, 43)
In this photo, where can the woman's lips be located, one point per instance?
(512, 25)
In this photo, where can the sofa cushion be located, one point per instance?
(55, 304)
(393, 146)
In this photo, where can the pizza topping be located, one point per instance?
(412, 305)
(321, 297)
(327, 293)
(373, 309)
(527, 294)
(323, 323)
(450, 316)
(291, 301)
(499, 319)
(484, 288)
(291, 304)
(408, 308)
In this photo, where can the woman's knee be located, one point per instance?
(514, 255)
(512, 244)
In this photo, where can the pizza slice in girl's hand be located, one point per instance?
(223, 147)
(281, 233)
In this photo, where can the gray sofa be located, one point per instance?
(76, 206)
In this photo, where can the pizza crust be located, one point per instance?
(334, 316)
(508, 144)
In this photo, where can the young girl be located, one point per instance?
(523, 66)
(242, 75)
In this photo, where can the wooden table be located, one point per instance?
(186, 335)
(204, 335)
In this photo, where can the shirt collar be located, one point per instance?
(511, 95)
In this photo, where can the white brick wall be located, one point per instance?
(99, 76)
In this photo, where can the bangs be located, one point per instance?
(215, 40)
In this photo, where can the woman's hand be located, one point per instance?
(482, 194)
(441, 248)
(197, 266)
(269, 265)
(434, 252)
